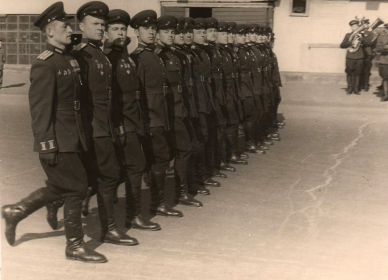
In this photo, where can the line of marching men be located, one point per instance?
(196, 92)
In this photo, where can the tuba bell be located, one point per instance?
(355, 38)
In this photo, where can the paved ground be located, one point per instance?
(314, 208)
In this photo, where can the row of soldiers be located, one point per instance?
(196, 92)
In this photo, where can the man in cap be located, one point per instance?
(231, 97)
(354, 57)
(128, 118)
(96, 71)
(219, 125)
(246, 87)
(368, 47)
(154, 90)
(2, 61)
(178, 106)
(206, 107)
(59, 137)
(197, 106)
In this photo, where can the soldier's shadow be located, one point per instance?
(33, 236)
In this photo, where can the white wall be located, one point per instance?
(327, 23)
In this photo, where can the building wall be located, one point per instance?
(323, 30)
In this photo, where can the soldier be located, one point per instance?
(154, 91)
(382, 60)
(128, 118)
(198, 87)
(231, 98)
(368, 47)
(96, 71)
(59, 137)
(354, 57)
(219, 100)
(205, 103)
(246, 87)
(178, 107)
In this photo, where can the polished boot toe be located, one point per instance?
(139, 223)
(186, 199)
(84, 254)
(10, 215)
(228, 168)
(212, 183)
(220, 174)
(119, 238)
(244, 156)
(252, 149)
(170, 212)
(203, 191)
(238, 161)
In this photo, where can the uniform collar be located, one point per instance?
(55, 49)
(94, 43)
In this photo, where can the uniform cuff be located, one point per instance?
(48, 146)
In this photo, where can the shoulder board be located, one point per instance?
(80, 46)
(138, 50)
(45, 55)
(158, 50)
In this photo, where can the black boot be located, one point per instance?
(226, 167)
(219, 174)
(134, 218)
(349, 81)
(201, 189)
(75, 247)
(211, 183)
(234, 159)
(110, 232)
(244, 156)
(85, 203)
(14, 213)
(52, 212)
(356, 86)
(186, 199)
(158, 180)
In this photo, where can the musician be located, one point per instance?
(354, 57)
(368, 47)
(382, 60)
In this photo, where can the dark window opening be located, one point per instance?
(299, 6)
(200, 12)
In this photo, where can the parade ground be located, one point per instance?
(315, 207)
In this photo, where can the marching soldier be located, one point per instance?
(2, 61)
(178, 107)
(96, 72)
(128, 119)
(154, 94)
(354, 57)
(59, 137)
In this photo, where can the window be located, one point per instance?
(299, 8)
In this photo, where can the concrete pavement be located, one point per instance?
(313, 208)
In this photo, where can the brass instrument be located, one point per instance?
(355, 38)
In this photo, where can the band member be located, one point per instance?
(368, 47)
(182, 143)
(382, 60)
(96, 71)
(128, 118)
(154, 94)
(354, 57)
(2, 61)
(59, 136)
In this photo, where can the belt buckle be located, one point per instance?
(76, 105)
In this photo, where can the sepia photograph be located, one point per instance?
(194, 139)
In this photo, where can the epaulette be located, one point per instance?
(80, 46)
(158, 50)
(45, 55)
(139, 49)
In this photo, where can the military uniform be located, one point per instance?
(354, 63)
(128, 122)
(96, 72)
(154, 94)
(2, 61)
(368, 47)
(182, 140)
(382, 60)
(59, 138)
